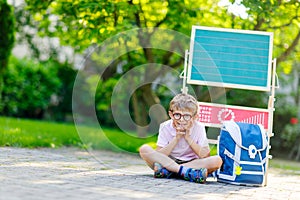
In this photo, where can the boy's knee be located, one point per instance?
(219, 161)
(144, 149)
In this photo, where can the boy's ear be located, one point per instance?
(196, 117)
(170, 114)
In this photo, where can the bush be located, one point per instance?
(28, 87)
(62, 107)
(282, 141)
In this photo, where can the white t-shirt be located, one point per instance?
(182, 150)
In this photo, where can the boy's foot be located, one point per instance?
(196, 175)
(213, 174)
(161, 172)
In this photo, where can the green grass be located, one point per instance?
(32, 134)
(285, 166)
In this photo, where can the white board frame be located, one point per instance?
(229, 85)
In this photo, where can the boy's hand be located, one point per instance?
(187, 134)
(182, 129)
(179, 133)
(188, 138)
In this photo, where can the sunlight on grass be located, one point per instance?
(32, 133)
(289, 167)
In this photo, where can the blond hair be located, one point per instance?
(184, 102)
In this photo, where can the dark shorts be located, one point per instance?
(178, 161)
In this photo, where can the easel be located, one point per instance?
(211, 114)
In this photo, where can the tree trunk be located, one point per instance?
(295, 152)
(157, 111)
(139, 116)
(291, 154)
(7, 24)
(2, 69)
(289, 50)
(1, 89)
(297, 158)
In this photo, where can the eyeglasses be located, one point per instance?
(178, 116)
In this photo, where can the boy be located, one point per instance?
(182, 146)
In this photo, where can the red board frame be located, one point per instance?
(212, 114)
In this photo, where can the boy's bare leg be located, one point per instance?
(150, 156)
(211, 163)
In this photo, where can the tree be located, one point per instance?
(289, 118)
(7, 33)
(82, 23)
(280, 17)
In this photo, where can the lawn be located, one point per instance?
(285, 166)
(32, 134)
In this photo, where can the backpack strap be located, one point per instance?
(230, 155)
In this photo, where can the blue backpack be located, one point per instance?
(243, 149)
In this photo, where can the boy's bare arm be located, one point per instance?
(202, 152)
(168, 149)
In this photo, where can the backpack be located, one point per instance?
(243, 149)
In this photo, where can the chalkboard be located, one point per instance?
(230, 58)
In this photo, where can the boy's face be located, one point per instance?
(182, 119)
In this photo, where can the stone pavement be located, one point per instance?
(70, 173)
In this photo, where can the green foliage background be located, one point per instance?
(31, 83)
(28, 88)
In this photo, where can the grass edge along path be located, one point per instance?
(17, 132)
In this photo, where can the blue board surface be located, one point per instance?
(230, 58)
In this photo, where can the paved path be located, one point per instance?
(70, 173)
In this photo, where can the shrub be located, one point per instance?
(63, 106)
(28, 87)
